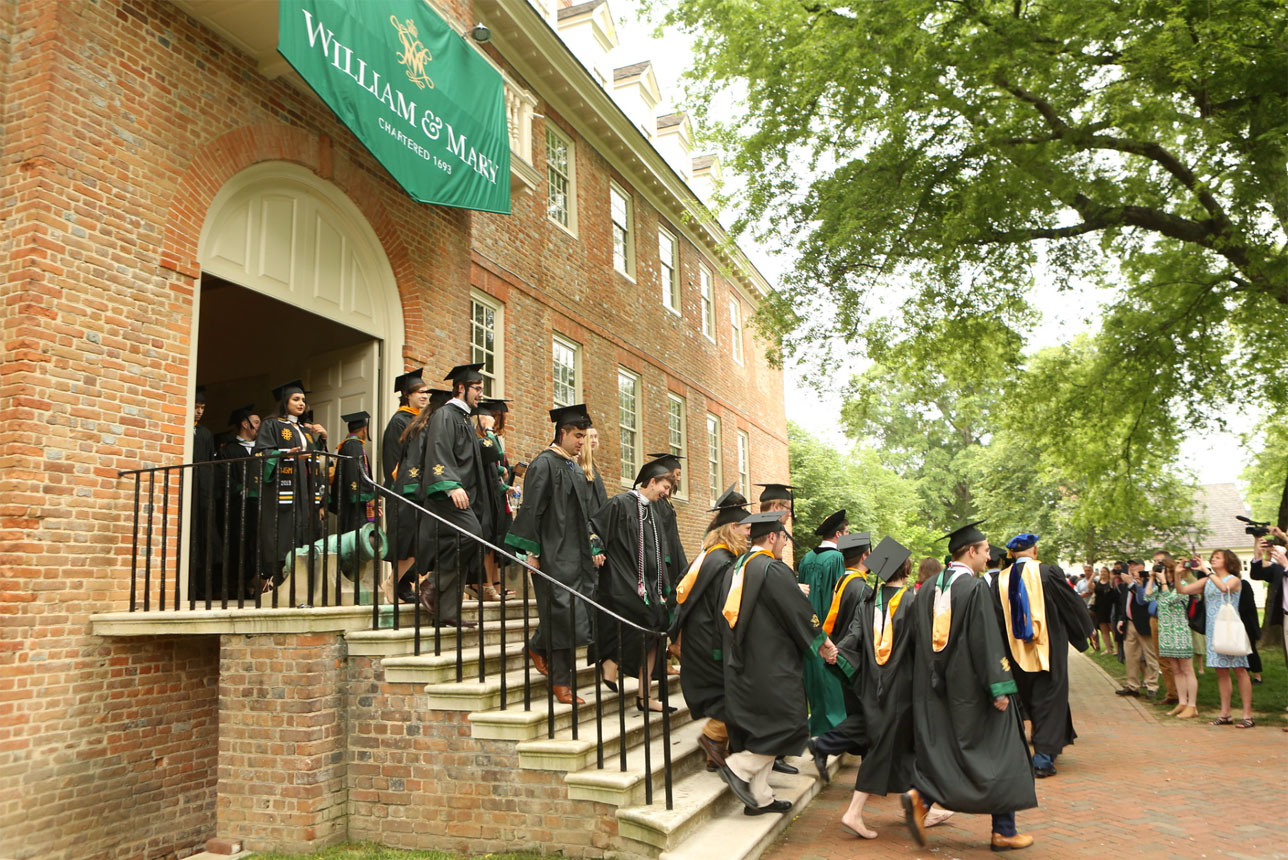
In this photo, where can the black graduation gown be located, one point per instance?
(1045, 695)
(205, 540)
(852, 591)
(699, 624)
(764, 679)
(352, 500)
(598, 495)
(402, 536)
(970, 756)
(552, 523)
(677, 563)
(239, 512)
(493, 462)
(884, 692)
(288, 518)
(453, 457)
(618, 527)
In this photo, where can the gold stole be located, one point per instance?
(733, 603)
(1035, 654)
(686, 585)
(883, 628)
(851, 573)
(943, 608)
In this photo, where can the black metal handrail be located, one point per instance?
(227, 566)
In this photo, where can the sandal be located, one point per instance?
(1247, 723)
(1222, 721)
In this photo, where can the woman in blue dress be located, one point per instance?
(1221, 585)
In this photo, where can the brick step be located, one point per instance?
(402, 642)
(474, 695)
(563, 752)
(707, 820)
(626, 788)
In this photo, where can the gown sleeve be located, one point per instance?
(988, 651)
(538, 485)
(782, 596)
(1070, 607)
(441, 471)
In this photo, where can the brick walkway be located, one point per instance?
(1132, 786)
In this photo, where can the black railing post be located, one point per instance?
(227, 565)
(147, 562)
(478, 592)
(179, 554)
(294, 535)
(208, 539)
(242, 535)
(621, 699)
(572, 661)
(527, 646)
(646, 676)
(546, 627)
(599, 696)
(460, 607)
(165, 533)
(504, 656)
(134, 549)
(664, 689)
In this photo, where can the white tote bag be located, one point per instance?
(1228, 636)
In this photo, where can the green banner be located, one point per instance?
(421, 100)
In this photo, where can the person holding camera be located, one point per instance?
(1269, 565)
(1221, 578)
(1175, 646)
(1138, 642)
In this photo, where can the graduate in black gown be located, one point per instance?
(352, 499)
(458, 486)
(850, 734)
(205, 546)
(293, 485)
(875, 656)
(1041, 617)
(970, 755)
(553, 528)
(677, 563)
(698, 624)
(489, 420)
(633, 579)
(240, 510)
(771, 626)
(413, 395)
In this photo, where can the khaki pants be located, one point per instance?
(1134, 646)
(754, 768)
(1169, 682)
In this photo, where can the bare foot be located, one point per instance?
(856, 826)
(937, 815)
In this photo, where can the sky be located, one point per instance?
(1213, 458)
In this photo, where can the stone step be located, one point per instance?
(402, 642)
(474, 695)
(626, 788)
(707, 820)
(565, 753)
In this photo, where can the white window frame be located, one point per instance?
(682, 413)
(623, 428)
(744, 462)
(553, 131)
(670, 286)
(735, 325)
(628, 250)
(706, 289)
(558, 342)
(715, 479)
(497, 375)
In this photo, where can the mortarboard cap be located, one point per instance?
(465, 374)
(437, 397)
(963, 536)
(854, 543)
(731, 507)
(408, 382)
(995, 556)
(356, 419)
(774, 492)
(730, 498)
(237, 416)
(831, 524)
(200, 395)
(494, 406)
(286, 389)
(562, 415)
(1021, 542)
(650, 470)
(765, 523)
(888, 558)
(671, 461)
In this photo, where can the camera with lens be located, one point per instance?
(1191, 564)
(1258, 530)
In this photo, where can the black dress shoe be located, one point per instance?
(776, 806)
(406, 594)
(740, 788)
(1126, 692)
(781, 766)
(1043, 772)
(820, 761)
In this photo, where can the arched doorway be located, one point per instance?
(294, 283)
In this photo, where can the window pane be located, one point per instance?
(744, 460)
(565, 374)
(666, 267)
(557, 178)
(708, 306)
(483, 336)
(713, 457)
(628, 422)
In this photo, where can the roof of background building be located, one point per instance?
(1217, 505)
(578, 8)
(631, 71)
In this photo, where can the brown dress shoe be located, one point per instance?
(564, 695)
(539, 663)
(1011, 843)
(715, 751)
(914, 815)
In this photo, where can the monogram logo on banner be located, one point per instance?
(414, 54)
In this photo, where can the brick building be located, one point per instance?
(180, 209)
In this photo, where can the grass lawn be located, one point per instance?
(372, 851)
(1268, 698)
